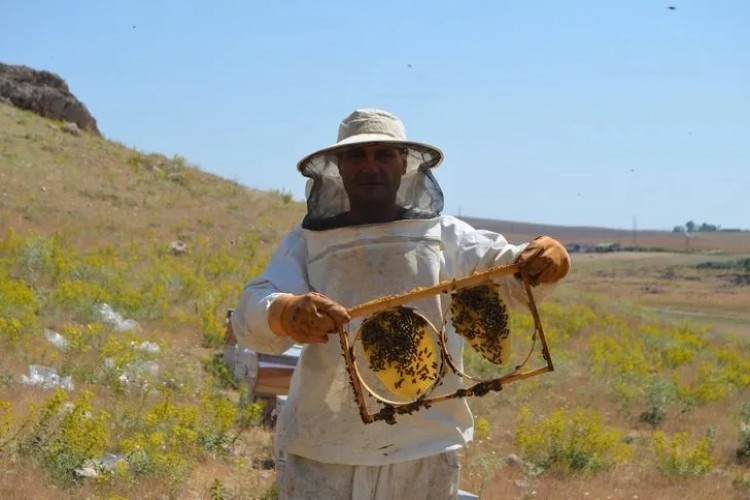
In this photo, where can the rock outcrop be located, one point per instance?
(44, 93)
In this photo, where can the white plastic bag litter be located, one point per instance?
(134, 372)
(109, 315)
(92, 467)
(46, 377)
(56, 339)
(146, 346)
(246, 365)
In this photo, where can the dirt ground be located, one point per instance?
(671, 285)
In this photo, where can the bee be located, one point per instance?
(398, 347)
(480, 316)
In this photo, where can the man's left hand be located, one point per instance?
(544, 260)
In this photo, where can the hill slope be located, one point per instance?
(97, 191)
(86, 222)
(86, 226)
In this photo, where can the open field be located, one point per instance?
(722, 242)
(670, 285)
(649, 397)
(643, 289)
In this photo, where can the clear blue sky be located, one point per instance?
(575, 113)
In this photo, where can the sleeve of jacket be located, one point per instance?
(286, 272)
(473, 250)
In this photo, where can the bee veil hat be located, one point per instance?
(419, 194)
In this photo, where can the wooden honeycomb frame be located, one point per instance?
(390, 409)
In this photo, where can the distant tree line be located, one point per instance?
(691, 227)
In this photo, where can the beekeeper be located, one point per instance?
(373, 228)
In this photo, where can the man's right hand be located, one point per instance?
(307, 319)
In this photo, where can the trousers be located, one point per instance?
(430, 478)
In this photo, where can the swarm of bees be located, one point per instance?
(401, 351)
(407, 357)
(481, 317)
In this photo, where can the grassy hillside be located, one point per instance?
(97, 191)
(86, 223)
(640, 405)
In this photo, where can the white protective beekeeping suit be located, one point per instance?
(354, 264)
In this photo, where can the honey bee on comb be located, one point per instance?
(401, 352)
(480, 316)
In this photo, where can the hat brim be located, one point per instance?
(432, 156)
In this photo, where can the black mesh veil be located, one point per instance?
(419, 195)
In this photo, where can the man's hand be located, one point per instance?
(544, 260)
(308, 318)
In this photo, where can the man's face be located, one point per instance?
(372, 173)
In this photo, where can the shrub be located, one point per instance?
(212, 325)
(79, 297)
(481, 428)
(743, 448)
(216, 490)
(578, 442)
(675, 455)
(18, 305)
(169, 438)
(250, 414)
(659, 394)
(65, 434)
(223, 376)
(163, 442)
(38, 259)
(6, 421)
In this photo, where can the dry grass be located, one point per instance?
(27, 482)
(668, 285)
(627, 483)
(249, 478)
(93, 193)
(644, 287)
(93, 190)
